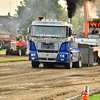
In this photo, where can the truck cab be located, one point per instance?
(51, 42)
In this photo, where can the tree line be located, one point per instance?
(29, 10)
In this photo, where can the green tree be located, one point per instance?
(29, 10)
(98, 8)
(78, 21)
(75, 23)
(80, 16)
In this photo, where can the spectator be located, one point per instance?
(26, 46)
(21, 46)
(20, 43)
(95, 31)
(17, 39)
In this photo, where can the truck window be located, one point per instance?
(49, 31)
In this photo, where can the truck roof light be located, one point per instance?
(63, 20)
(38, 19)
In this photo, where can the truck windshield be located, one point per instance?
(48, 31)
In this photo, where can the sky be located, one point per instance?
(5, 6)
(10, 6)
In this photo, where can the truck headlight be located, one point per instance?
(33, 54)
(61, 59)
(33, 58)
(62, 56)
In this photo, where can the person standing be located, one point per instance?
(26, 46)
(20, 43)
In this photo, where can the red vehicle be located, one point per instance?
(4, 40)
(16, 47)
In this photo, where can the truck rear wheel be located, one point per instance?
(35, 64)
(78, 64)
(70, 64)
(1, 44)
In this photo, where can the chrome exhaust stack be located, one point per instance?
(70, 20)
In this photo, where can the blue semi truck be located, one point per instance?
(51, 42)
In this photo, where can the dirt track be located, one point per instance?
(45, 83)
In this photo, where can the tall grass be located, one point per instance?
(15, 59)
(94, 97)
(3, 51)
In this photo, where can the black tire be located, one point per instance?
(35, 64)
(98, 60)
(7, 52)
(70, 64)
(78, 64)
(1, 44)
(11, 52)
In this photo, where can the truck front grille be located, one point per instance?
(42, 58)
(47, 46)
(13, 45)
(47, 59)
(43, 51)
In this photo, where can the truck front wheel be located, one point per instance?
(35, 64)
(70, 64)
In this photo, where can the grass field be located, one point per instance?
(94, 97)
(14, 59)
(3, 51)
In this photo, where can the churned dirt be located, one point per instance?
(19, 81)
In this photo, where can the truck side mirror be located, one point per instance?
(28, 30)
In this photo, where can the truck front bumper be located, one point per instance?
(49, 57)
